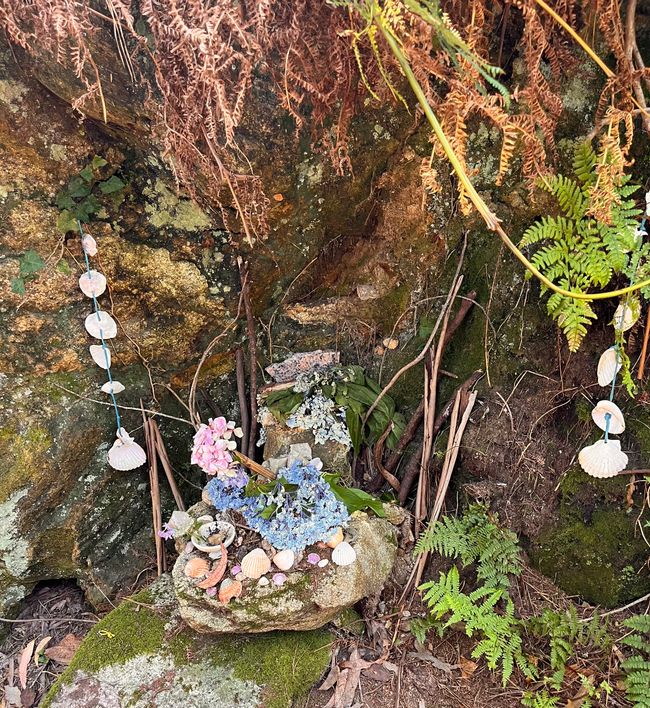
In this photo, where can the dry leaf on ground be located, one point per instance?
(65, 650)
(25, 657)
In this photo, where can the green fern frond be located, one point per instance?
(637, 667)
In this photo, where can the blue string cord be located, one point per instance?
(101, 336)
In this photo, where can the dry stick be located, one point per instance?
(378, 448)
(644, 349)
(447, 469)
(414, 423)
(155, 493)
(164, 459)
(243, 403)
(413, 466)
(254, 466)
(252, 350)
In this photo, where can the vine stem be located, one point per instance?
(490, 218)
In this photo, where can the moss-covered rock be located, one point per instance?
(593, 550)
(142, 655)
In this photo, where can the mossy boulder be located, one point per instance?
(142, 655)
(592, 549)
(310, 597)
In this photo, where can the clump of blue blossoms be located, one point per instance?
(292, 512)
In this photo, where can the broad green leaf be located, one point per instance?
(353, 421)
(18, 286)
(77, 188)
(66, 221)
(30, 263)
(64, 200)
(98, 162)
(87, 173)
(112, 184)
(353, 498)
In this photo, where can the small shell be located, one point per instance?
(113, 387)
(126, 454)
(229, 590)
(334, 541)
(92, 283)
(344, 554)
(323, 563)
(101, 356)
(626, 315)
(609, 365)
(284, 559)
(89, 245)
(603, 458)
(226, 535)
(313, 558)
(279, 579)
(255, 564)
(196, 567)
(100, 324)
(263, 581)
(616, 419)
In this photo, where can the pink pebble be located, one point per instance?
(279, 579)
(313, 558)
(235, 570)
(211, 592)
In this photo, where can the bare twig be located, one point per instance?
(154, 488)
(252, 350)
(644, 349)
(254, 466)
(160, 448)
(378, 448)
(243, 403)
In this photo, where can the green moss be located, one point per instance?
(592, 549)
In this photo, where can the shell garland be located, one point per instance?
(125, 454)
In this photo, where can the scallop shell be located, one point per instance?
(626, 315)
(196, 567)
(334, 541)
(113, 387)
(92, 283)
(101, 325)
(603, 458)
(284, 559)
(89, 245)
(609, 365)
(255, 564)
(279, 579)
(616, 419)
(229, 590)
(344, 554)
(126, 454)
(101, 356)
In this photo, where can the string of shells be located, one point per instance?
(125, 454)
(605, 458)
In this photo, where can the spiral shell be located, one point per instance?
(100, 357)
(196, 567)
(101, 325)
(609, 365)
(616, 419)
(344, 554)
(92, 283)
(284, 559)
(603, 459)
(255, 564)
(126, 454)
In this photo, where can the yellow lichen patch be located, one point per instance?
(23, 456)
(167, 210)
(217, 365)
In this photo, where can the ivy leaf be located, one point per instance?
(65, 221)
(18, 286)
(111, 185)
(77, 188)
(87, 173)
(64, 200)
(30, 263)
(98, 162)
(87, 209)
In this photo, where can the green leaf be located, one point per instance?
(353, 498)
(77, 188)
(86, 209)
(353, 421)
(18, 286)
(30, 263)
(268, 511)
(63, 267)
(87, 173)
(112, 184)
(64, 200)
(98, 162)
(66, 221)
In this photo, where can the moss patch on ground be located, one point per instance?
(592, 549)
(284, 664)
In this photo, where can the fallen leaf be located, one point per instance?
(40, 648)
(331, 679)
(391, 343)
(377, 672)
(27, 698)
(25, 657)
(63, 652)
(12, 696)
(467, 667)
(437, 663)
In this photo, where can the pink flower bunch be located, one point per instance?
(213, 444)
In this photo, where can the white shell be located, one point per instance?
(255, 564)
(113, 387)
(199, 539)
(626, 315)
(101, 358)
(92, 283)
(100, 324)
(609, 365)
(603, 459)
(344, 554)
(322, 563)
(263, 581)
(284, 559)
(616, 420)
(126, 454)
(89, 245)
(336, 538)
